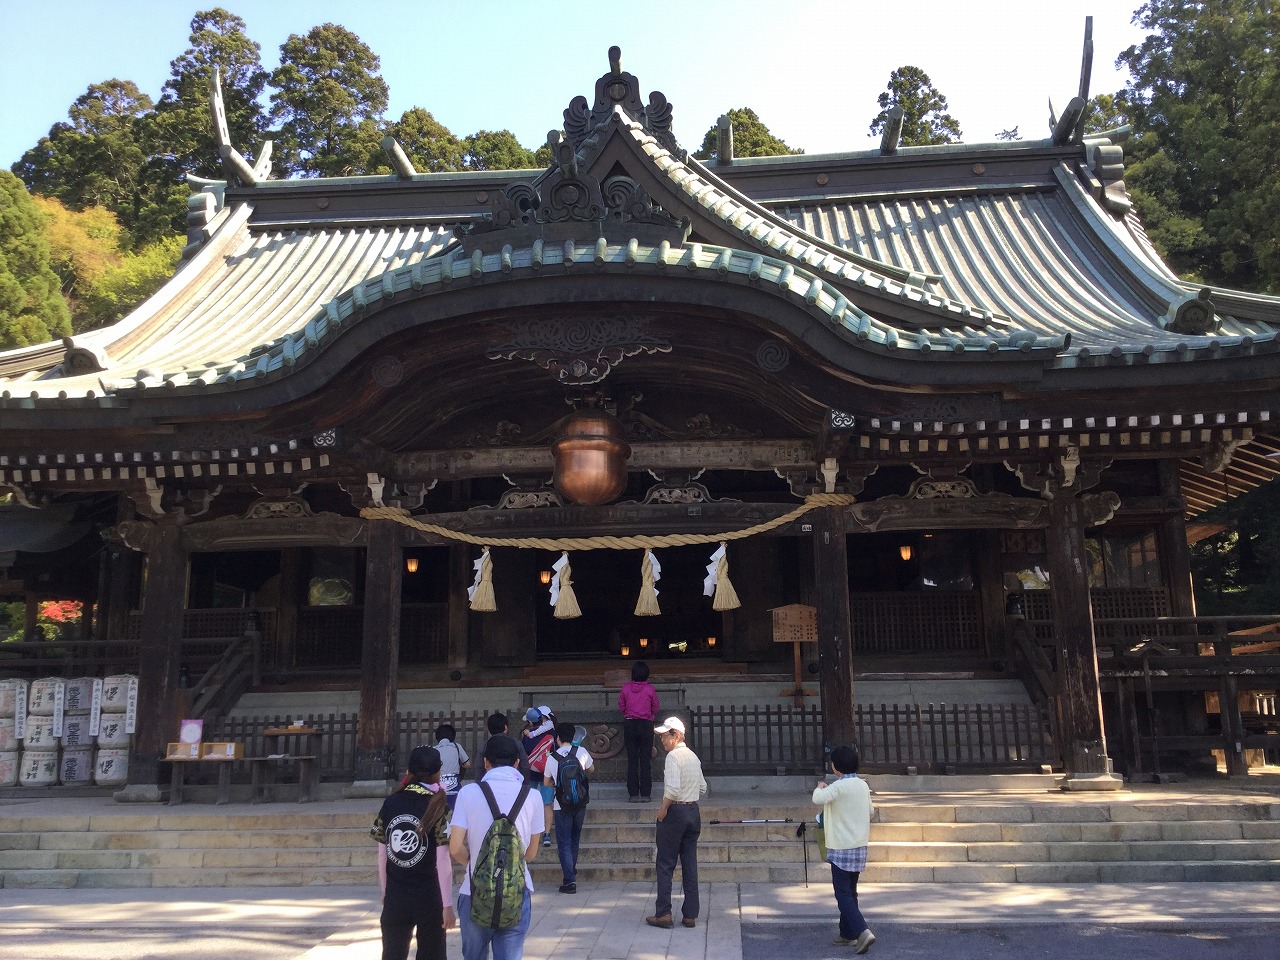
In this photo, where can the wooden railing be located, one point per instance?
(756, 740)
(1140, 658)
(930, 622)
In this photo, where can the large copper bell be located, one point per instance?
(591, 458)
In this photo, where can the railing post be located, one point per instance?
(1229, 707)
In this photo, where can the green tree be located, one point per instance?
(925, 120)
(178, 134)
(128, 282)
(496, 150)
(329, 101)
(428, 142)
(751, 138)
(95, 158)
(1206, 86)
(31, 308)
(83, 246)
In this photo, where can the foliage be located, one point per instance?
(95, 158)
(127, 283)
(751, 138)
(31, 309)
(1206, 87)
(53, 618)
(496, 150)
(1234, 571)
(428, 142)
(328, 99)
(1009, 134)
(925, 119)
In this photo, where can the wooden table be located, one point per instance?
(177, 777)
(304, 742)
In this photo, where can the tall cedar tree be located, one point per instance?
(925, 120)
(1206, 86)
(329, 101)
(751, 138)
(95, 158)
(179, 132)
(31, 308)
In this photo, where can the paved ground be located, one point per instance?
(606, 922)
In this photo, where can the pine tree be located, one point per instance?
(925, 120)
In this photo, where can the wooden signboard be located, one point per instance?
(795, 623)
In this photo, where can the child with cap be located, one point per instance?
(412, 830)
(538, 741)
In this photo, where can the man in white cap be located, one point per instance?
(679, 823)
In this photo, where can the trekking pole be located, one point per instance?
(802, 834)
(718, 822)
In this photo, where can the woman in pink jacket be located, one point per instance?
(638, 702)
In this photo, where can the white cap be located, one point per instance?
(669, 724)
(545, 711)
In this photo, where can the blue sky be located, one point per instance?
(812, 70)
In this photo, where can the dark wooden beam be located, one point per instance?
(1084, 746)
(835, 644)
(375, 760)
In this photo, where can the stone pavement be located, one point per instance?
(603, 922)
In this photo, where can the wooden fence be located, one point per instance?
(760, 740)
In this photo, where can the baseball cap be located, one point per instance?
(669, 724)
(545, 711)
(424, 760)
(533, 715)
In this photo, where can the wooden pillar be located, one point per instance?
(1084, 747)
(375, 759)
(1175, 552)
(160, 655)
(991, 593)
(461, 575)
(293, 590)
(835, 646)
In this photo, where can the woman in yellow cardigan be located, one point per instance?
(846, 818)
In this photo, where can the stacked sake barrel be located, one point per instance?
(40, 731)
(116, 716)
(75, 766)
(12, 693)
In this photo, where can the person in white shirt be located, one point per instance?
(471, 820)
(679, 824)
(568, 823)
(454, 759)
(846, 818)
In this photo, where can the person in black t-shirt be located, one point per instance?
(412, 830)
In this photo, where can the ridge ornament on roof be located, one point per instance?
(621, 90)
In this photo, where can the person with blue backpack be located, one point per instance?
(566, 775)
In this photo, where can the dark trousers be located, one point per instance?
(638, 736)
(845, 884)
(406, 908)
(678, 840)
(568, 825)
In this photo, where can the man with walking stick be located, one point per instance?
(679, 824)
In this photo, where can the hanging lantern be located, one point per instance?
(591, 454)
(904, 551)
(411, 564)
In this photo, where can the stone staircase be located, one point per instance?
(1037, 836)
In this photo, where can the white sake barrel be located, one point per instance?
(111, 731)
(8, 741)
(111, 767)
(8, 768)
(43, 696)
(40, 735)
(76, 767)
(38, 768)
(79, 695)
(9, 696)
(115, 692)
(75, 731)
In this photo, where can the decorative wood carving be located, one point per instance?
(684, 493)
(1067, 471)
(772, 356)
(1099, 507)
(288, 508)
(1219, 456)
(989, 511)
(578, 350)
(619, 89)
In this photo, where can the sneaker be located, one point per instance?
(646, 799)
(546, 839)
(663, 921)
(568, 888)
(689, 922)
(634, 800)
(841, 942)
(865, 939)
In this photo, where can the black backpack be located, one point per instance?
(573, 790)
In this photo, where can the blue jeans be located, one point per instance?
(845, 885)
(568, 833)
(506, 944)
